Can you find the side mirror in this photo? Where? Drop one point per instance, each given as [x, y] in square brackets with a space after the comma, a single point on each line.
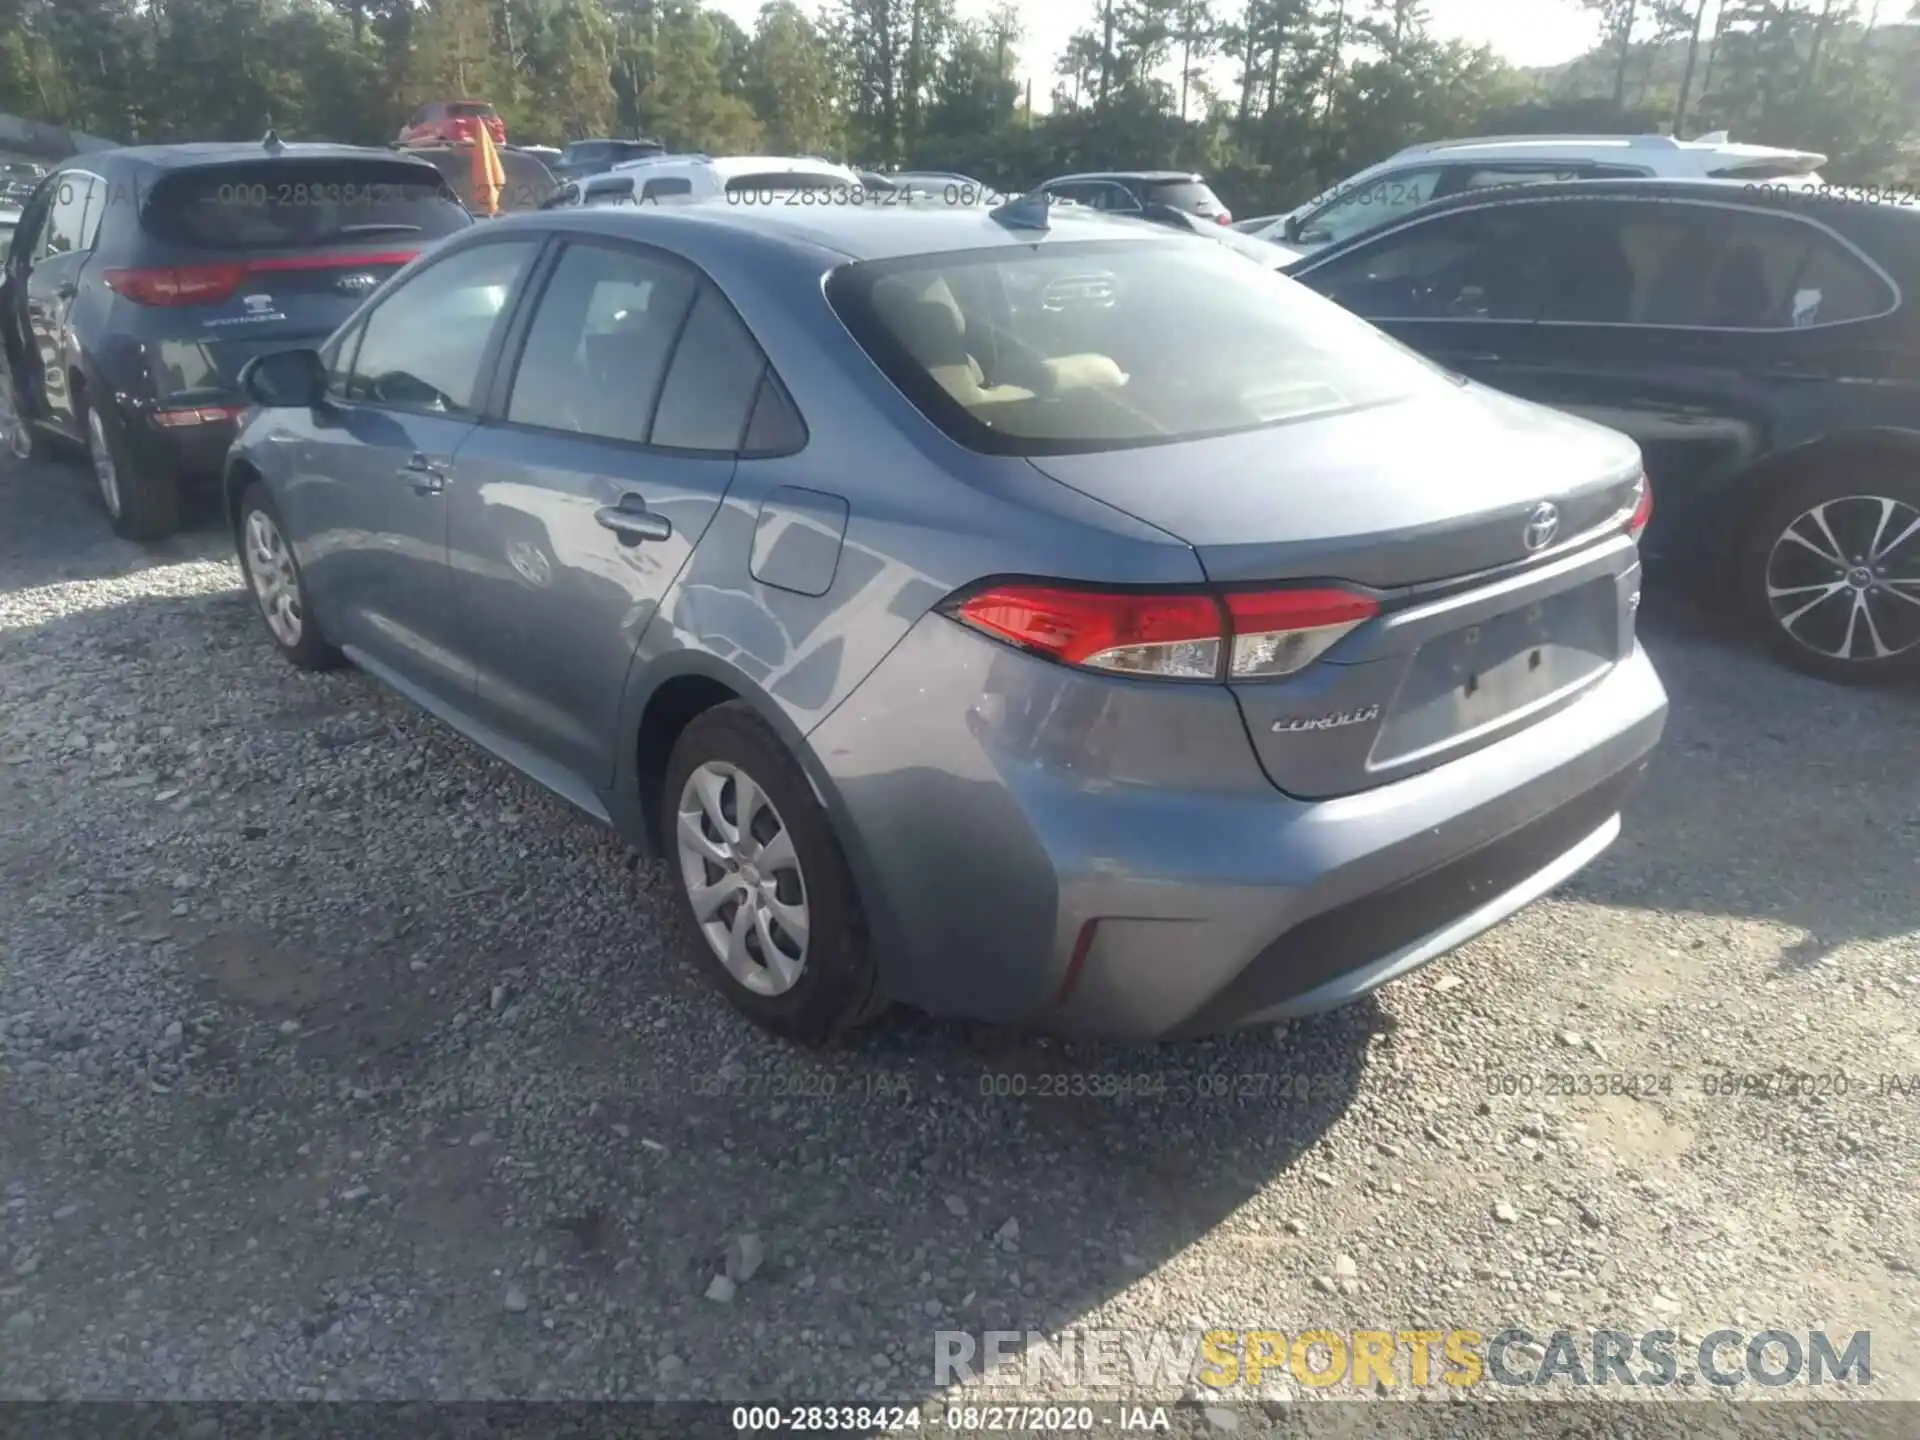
[1292, 229]
[285, 379]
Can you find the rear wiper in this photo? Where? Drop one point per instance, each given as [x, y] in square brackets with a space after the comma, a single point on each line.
[379, 227]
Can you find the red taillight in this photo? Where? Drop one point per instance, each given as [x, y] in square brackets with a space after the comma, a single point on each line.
[1225, 217]
[1242, 635]
[177, 284]
[213, 284]
[1642, 509]
[197, 415]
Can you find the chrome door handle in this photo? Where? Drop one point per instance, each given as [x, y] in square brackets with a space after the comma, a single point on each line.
[632, 522]
[426, 477]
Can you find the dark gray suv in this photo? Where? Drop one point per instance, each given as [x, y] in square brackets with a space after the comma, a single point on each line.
[140, 280]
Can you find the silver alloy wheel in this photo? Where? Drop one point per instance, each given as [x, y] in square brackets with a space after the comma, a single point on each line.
[1843, 580]
[104, 470]
[15, 433]
[275, 582]
[743, 878]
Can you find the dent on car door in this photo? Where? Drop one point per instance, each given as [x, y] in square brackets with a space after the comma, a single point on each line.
[1461, 288]
[617, 438]
[369, 511]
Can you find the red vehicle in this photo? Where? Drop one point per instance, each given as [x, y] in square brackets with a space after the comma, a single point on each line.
[452, 122]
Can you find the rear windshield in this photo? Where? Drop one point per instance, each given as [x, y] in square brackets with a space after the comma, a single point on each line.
[784, 180]
[1071, 348]
[278, 204]
[1185, 195]
[466, 108]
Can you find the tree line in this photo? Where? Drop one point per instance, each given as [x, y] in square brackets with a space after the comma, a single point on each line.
[1271, 98]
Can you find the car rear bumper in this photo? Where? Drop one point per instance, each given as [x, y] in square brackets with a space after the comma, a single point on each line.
[1039, 846]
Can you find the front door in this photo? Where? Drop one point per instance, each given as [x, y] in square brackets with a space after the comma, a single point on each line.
[581, 498]
[60, 253]
[375, 465]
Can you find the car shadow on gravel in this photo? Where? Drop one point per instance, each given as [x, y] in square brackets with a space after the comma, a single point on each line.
[1774, 796]
[53, 528]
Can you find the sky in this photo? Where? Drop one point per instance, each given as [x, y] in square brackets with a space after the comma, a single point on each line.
[1524, 32]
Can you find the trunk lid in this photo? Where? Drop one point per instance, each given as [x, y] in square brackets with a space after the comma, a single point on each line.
[1435, 507]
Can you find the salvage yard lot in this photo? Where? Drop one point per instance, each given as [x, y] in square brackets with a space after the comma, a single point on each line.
[335, 1059]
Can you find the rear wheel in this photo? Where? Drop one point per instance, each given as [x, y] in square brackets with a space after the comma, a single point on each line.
[764, 890]
[1832, 572]
[142, 502]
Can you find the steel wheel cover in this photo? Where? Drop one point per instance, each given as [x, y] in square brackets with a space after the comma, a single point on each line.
[743, 878]
[276, 585]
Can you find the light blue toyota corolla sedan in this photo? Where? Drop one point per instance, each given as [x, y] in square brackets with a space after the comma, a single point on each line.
[1039, 619]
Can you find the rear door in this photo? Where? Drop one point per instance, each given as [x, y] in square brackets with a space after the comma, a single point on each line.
[263, 255]
[611, 443]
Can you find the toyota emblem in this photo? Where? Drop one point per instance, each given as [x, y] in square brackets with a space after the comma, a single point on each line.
[1542, 525]
[358, 284]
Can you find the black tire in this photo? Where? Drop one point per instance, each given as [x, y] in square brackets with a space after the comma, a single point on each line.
[1780, 572]
[311, 650]
[143, 501]
[837, 988]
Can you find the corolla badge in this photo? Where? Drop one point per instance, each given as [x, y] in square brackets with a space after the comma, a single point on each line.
[1294, 724]
[1542, 525]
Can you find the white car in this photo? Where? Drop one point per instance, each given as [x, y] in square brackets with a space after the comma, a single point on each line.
[1424, 173]
[744, 179]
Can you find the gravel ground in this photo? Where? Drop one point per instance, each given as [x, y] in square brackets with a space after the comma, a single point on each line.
[336, 1061]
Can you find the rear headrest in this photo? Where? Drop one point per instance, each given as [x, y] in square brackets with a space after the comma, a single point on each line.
[931, 333]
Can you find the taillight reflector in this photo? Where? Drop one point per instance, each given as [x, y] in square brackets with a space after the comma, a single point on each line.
[213, 284]
[1642, 509]
[1239, 635]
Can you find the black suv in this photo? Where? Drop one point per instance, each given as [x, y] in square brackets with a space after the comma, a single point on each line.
[141, 279]
[595, 157]
[1754, 337]
[1142, 192]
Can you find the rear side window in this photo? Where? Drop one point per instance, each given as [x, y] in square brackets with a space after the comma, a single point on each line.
[70, 226]
[710, 389]
[1629, 262]
[292, 204]
[599, 344]
[1186, 195]
[1074, 348]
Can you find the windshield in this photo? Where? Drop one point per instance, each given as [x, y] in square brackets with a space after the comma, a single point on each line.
[1084, 347]
[280, 204]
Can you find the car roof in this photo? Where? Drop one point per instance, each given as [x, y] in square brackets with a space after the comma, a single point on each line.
[1715, 146]
[1127, 175]
[195, 153]
[1786, 197]
[844, 233]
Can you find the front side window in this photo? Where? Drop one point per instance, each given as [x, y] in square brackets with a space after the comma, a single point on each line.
[597, 351]
[423, 347]
[1483, 264]
[1095, 346]
[1368, 206]
[66, 228]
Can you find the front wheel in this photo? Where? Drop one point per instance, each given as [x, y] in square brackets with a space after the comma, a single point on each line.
[279, 589]
[1832, 573]
[764, 890]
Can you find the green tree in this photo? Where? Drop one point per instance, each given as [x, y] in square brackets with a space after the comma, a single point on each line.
[791, 82]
